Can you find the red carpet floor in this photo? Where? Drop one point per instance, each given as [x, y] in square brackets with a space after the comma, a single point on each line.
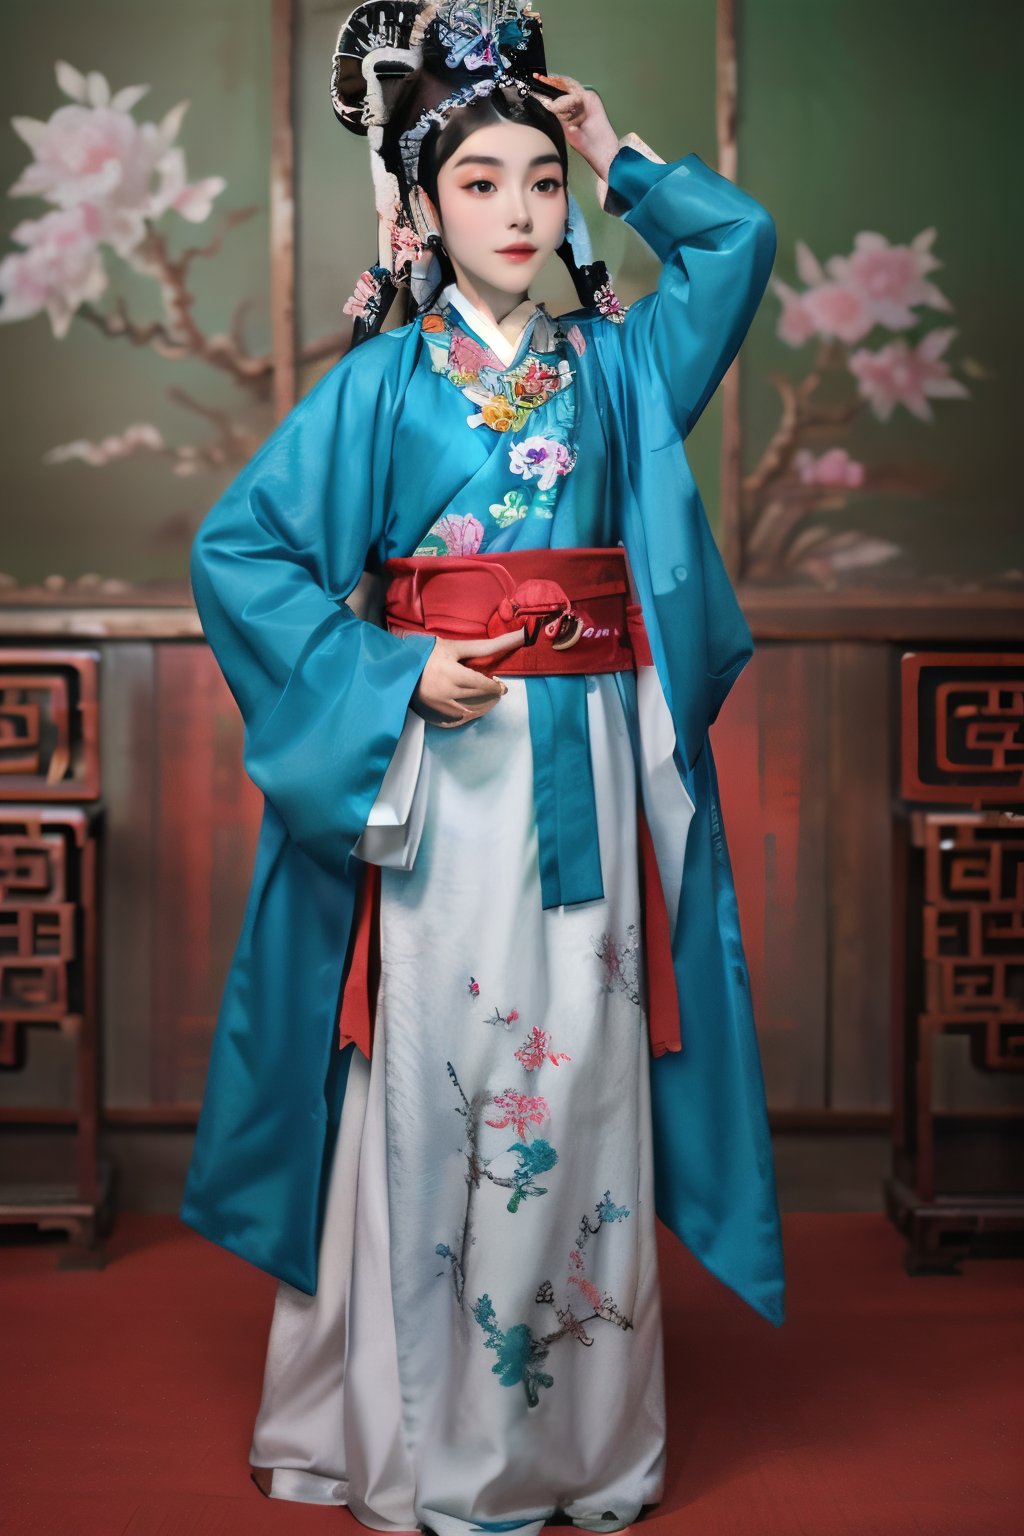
[884, 1406]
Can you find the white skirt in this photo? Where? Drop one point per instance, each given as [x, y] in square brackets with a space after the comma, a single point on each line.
[485, 1346]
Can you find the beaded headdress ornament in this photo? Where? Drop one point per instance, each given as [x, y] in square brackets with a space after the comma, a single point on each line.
[479, 46]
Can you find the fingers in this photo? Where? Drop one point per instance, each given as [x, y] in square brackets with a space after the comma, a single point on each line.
[488, 645]
[571, 106]
[468, 684]
[566, 82]
[461, 714]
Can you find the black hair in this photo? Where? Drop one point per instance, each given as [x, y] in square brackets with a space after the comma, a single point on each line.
[497, 107]
[421, 90]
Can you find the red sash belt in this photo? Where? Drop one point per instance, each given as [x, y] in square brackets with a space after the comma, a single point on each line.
[573, 604]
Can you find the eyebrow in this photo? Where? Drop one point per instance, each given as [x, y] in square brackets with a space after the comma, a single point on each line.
[494, 160]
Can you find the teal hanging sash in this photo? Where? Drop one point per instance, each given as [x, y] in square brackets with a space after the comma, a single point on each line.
[563, 791]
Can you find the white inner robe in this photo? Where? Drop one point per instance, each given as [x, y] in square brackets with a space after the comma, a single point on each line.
[398, 1389]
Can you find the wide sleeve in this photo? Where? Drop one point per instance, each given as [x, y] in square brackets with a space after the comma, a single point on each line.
[716, 245]
[323, 693]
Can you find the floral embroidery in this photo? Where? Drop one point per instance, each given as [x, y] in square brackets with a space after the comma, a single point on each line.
[609, 304]
[504, 396]
[520, 1351]
[462, 535]
[505, 399]
[533, 1158]
[365, 300]
[603, 1305]
[536, 1048]
[474, 986]
[518, 1109]
[507, 1019]
[541, 458]
[606, 1211]
[512, 506]
[576, 340]
[620, 963]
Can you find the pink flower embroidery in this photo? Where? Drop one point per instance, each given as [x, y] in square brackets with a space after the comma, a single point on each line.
[462, 535]
[467, 356]
[576, 339]
[506, 1019]
[537, 379]
[366, 292]
[517, 1109]
[588, 1289]
[536, 1047]
[474, 987]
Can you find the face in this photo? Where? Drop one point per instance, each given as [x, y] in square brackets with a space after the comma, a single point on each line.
[503, 187]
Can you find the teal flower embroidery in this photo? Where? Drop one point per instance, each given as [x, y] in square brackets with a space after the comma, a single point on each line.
[519, 1353]
[534, 1158]
[607, 1211]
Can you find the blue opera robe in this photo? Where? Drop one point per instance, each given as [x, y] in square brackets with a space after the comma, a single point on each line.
[355, 474]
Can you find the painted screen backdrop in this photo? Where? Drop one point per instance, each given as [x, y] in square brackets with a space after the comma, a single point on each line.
[853, 119]
[171, 429]
[888, 134]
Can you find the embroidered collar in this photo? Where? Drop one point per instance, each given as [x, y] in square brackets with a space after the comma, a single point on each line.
[503, 348]
[504, 396]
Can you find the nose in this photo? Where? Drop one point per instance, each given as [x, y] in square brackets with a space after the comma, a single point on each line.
[518, 212]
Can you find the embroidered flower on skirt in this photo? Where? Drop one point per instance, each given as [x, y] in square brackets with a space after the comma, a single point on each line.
[620, 962]
[537, 1048]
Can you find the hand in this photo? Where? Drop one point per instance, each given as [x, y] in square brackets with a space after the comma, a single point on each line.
[581, 113]
[456, 693]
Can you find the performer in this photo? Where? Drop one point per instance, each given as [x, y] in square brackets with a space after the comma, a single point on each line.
[489, 1008]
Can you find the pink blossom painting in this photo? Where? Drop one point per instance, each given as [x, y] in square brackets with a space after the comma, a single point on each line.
[867, 314]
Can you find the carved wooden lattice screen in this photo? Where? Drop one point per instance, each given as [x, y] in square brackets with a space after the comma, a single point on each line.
[49, 756]
[958, 1165]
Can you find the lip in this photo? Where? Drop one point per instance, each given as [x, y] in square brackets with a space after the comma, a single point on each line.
[518, 250]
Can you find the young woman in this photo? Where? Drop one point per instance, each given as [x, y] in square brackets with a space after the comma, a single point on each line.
[492, 854]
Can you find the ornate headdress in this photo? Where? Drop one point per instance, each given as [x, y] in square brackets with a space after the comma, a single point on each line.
[477, 47]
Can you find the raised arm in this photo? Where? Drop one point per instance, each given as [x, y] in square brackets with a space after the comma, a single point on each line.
[716, 246]
[323, 694]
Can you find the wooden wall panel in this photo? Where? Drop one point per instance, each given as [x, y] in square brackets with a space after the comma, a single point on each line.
[128, 709]
[208, 820]
[862, 713]
[770, 745]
